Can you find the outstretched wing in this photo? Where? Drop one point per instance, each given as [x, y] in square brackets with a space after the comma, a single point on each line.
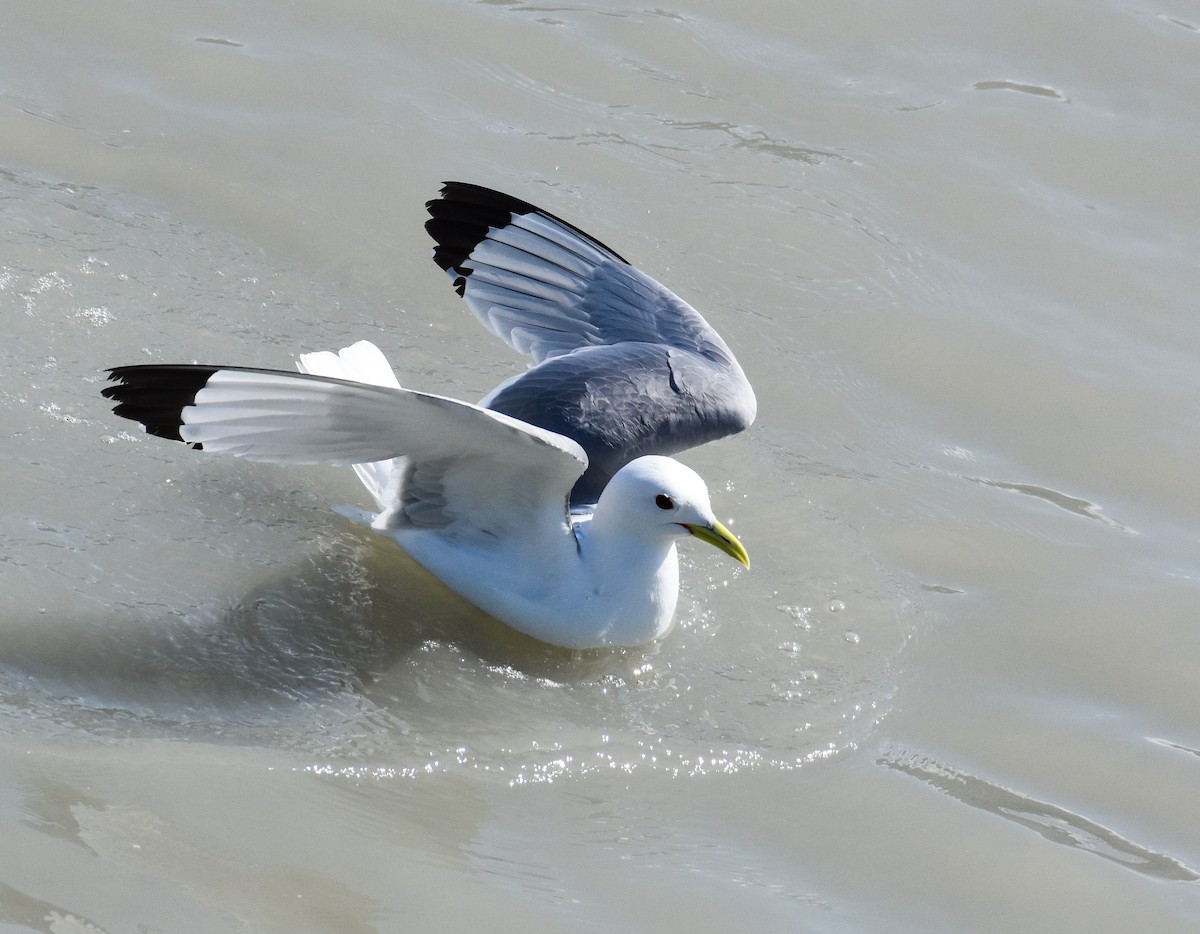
[458, 465]
[622, 365]
[546, 288]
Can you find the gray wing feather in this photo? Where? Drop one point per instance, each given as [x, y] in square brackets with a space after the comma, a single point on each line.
[622, 401]
[621, 364]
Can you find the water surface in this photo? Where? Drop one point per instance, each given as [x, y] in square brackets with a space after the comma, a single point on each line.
[955, 253]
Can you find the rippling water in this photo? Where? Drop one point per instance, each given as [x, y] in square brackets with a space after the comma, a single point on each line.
[954, 252]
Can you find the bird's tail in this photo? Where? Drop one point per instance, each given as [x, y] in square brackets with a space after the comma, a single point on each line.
[361, 362]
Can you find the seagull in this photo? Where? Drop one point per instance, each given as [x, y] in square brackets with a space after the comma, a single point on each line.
[552, 504]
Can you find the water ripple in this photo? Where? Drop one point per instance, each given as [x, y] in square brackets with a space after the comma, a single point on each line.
[1054, 823]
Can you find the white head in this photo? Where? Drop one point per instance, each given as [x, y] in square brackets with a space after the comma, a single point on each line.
[659, 498]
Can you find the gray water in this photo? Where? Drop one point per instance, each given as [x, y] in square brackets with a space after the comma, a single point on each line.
[955, 251]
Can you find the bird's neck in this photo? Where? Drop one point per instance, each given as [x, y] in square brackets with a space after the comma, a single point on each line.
[637, 578]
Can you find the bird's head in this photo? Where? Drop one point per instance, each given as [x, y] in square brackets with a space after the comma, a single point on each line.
[660, 497]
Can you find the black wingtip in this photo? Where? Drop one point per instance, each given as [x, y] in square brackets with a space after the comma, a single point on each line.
[461, 217]
[155, 395]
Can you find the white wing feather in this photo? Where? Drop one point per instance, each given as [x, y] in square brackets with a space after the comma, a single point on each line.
[453, 465]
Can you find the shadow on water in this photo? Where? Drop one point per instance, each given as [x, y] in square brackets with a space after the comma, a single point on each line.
[320, 635]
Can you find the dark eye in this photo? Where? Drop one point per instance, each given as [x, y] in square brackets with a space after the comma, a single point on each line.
[663, 501]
